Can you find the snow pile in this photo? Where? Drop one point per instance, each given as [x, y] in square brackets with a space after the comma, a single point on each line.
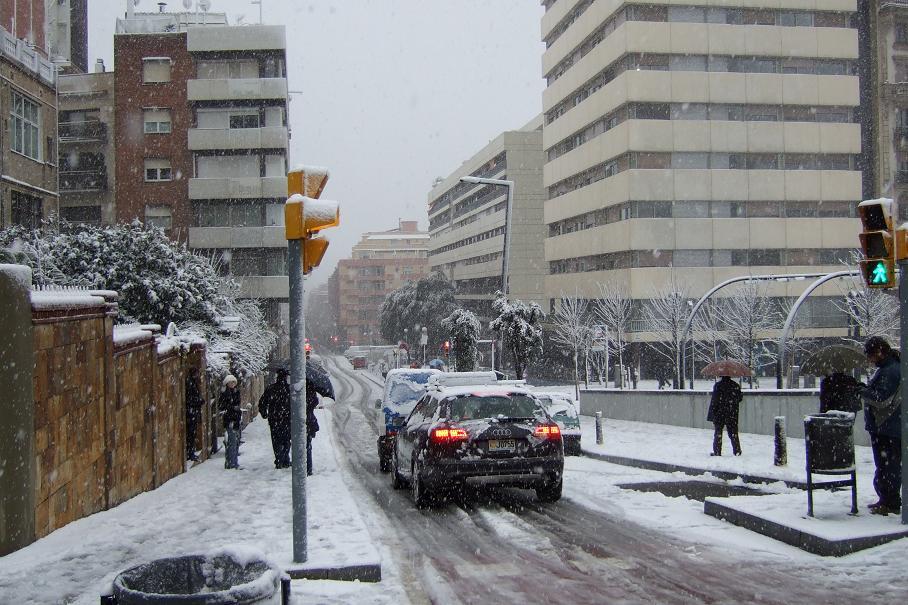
[20, 273]
[123, 335]
[46, 300]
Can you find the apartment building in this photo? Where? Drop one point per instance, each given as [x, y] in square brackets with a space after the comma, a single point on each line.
[86, 147]
[467, 222]
[381, 262]
[28, 104]
[700, 141]
[202, 142]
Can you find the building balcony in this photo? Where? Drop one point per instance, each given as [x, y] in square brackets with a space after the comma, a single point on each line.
[236, 89]
[83, 180]
[263, 286]
[238, 188]
[237, 237]
[90, 131]
[205, 139]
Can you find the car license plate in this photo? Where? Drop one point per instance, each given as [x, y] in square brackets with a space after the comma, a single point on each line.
[501, 445]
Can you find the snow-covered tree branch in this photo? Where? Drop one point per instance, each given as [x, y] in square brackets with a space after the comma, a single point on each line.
[614, 308]
[464, 327]
[665, 314]
[572, 329]
[518, 323]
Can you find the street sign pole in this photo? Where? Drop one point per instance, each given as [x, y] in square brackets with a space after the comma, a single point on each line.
[297, 398]
[903, 310]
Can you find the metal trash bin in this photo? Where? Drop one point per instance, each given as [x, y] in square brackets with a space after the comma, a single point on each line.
[829, 442]
[200, 580]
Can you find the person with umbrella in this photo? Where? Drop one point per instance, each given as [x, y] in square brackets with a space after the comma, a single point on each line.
[838, 390]
[882, 419]
[274, 406]
[723, 413]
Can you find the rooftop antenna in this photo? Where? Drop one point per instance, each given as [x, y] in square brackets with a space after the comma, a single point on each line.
[259, 2]
[204, 5]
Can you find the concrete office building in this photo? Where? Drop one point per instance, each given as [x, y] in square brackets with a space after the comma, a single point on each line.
[381, 262]
[891, 27]
[28, 139]
[202, 142]
[467, 223]
[700, 140]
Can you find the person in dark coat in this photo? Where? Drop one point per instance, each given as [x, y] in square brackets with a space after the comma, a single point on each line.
[274, 406]
[317, 383]
[194, 403]
[882, 419]
[229, 405]
[723, 413]
[839, 391]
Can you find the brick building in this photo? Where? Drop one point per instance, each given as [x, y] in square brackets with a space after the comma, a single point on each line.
[382, 262]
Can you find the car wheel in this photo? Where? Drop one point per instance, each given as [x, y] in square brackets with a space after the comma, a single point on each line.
[421, 496]
[550, 492]
[397, 481]
[384, 461]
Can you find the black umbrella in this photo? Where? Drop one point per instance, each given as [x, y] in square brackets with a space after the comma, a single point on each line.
[834, 358]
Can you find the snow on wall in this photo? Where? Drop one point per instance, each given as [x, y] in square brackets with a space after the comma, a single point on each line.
[20, 273]
[44, 300]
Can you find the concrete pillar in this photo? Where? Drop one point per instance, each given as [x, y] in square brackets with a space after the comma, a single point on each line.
[17, 409]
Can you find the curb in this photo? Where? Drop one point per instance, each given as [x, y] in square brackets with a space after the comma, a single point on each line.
[667, 467]
[370, 572]
[800, 539]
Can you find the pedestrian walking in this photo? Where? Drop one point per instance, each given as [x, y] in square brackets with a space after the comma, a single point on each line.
[229, 405]
[882, 419]
[274, 406]
[194, 403]
[839, 391]
[318, 382]
[723, 413]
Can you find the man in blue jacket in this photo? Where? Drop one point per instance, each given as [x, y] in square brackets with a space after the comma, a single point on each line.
[882, 419]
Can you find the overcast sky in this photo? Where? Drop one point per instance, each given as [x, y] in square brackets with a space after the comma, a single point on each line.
[393, 92]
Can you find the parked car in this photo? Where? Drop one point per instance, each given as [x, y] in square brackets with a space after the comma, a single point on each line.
[564, 410]
[477, 434]
[403, 388]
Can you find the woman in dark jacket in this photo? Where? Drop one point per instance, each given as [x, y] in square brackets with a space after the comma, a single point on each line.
[723, 412]
[882, 419]
[229, 405]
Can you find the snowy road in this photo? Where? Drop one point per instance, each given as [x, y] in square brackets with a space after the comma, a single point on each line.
[502, 546]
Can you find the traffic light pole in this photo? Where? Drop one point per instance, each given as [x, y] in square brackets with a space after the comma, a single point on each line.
[903, 310]
[297, 398]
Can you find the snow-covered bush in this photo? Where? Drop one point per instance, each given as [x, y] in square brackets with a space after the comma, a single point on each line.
[463, 326]
[518, 323]
[159, 281]
[421, 303]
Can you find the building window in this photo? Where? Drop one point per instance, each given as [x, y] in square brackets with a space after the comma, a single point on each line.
[157, 121]
[227, 69]
[155, 70]
[248, 120]
[901, 33]
[157, 170]
[82, 214]
[26, 210]
[25, 125]
[158, 216]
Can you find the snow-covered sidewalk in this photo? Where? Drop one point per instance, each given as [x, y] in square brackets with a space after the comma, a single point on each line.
[205, 508]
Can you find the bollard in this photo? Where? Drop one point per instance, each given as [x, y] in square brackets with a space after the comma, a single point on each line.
[285, 591]
[780, 457]
[599, 439]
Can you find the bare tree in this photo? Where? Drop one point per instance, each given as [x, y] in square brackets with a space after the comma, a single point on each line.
[871, 311]
[748, 316]
[665, 314]
[614, 308]
[572, 329]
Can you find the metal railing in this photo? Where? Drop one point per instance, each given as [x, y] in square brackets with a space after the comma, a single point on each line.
[88, 130]
[83, 180]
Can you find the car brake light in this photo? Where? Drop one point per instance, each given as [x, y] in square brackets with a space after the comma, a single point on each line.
[448, 435]
[547, 431]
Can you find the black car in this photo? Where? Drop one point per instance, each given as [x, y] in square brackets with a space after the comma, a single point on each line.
[483, 435]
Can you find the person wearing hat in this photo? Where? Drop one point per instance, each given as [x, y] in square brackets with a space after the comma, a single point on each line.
[229, 405]
[882, 419]
[275, 408]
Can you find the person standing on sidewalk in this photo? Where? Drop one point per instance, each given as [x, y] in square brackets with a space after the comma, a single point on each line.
[194, 403]
[275, 408]
[723, 413]
[317, 383]
[839, 391]
[882, 419]
[229, 405]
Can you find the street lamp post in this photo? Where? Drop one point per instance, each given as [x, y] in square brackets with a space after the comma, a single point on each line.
[506, 253]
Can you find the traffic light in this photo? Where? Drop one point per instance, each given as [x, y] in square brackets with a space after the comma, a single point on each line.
[879, 244]
[305, 215]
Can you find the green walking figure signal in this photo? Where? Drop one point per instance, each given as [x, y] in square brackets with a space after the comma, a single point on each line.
[880, 274]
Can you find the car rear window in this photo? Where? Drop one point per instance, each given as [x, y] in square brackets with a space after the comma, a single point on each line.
[472, 407]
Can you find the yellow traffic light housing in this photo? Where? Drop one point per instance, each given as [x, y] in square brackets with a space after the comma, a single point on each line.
[305, 214]
[881, 243]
